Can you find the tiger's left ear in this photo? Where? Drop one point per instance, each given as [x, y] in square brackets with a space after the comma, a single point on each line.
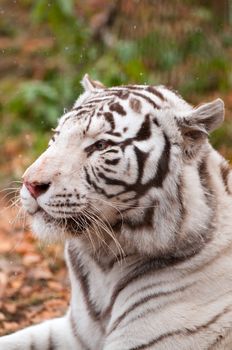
[207, 117]
[90, 85]
[196, 126]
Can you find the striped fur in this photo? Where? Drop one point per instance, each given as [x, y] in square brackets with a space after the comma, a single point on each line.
[144, 203]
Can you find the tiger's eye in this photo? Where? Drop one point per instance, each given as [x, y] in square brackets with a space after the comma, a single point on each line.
[100, 145]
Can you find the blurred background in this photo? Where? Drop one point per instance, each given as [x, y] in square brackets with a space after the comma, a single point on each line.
[46, 46]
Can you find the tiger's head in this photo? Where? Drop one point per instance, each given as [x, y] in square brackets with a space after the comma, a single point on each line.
[113, 172]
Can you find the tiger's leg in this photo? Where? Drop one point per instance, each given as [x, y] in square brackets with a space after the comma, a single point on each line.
[55, 334]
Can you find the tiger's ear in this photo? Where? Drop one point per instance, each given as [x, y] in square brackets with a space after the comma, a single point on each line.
[206, 117]
[196, 126]
[90, 85]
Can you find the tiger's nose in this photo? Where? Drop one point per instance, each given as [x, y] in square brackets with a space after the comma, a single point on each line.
[36, 188]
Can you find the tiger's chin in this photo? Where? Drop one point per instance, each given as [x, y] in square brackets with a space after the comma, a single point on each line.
[53, 230]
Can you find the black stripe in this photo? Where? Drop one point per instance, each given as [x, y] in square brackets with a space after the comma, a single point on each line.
[84, 105]
[145, 288]
[82, 277]
[113, 181]
[216, 342]
[144, 132]
[182, 210]
[163, 165]
[178, 200]
[184, 332]
[101, 98]
[155, 121]
[142, 301]
[141, 160]
[87, 177]
[111, 151]
[117, 108]
[148, 99]
[110, 119]
[122, 94]
[66, 118]
[154, 91]
[94, 173]
[51, 345]
[114, 161]
[209, 193]
[82, 111]
[88, 125]
[225, 171]
[32, 345]
[76, 334]
[116, 134]
[109, 170]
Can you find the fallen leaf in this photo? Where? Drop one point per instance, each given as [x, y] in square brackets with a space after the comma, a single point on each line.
[30, 259]
[10, 326]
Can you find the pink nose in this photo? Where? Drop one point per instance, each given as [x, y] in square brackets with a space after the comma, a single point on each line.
[36, 188]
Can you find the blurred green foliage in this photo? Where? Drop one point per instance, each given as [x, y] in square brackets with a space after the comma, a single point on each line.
[194, 57]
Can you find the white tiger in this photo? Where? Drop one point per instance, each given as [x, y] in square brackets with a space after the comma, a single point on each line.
[144, 203]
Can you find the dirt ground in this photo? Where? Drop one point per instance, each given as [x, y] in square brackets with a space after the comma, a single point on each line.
[33, 281]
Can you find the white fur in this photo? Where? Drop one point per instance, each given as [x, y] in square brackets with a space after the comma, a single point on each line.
[178, 306]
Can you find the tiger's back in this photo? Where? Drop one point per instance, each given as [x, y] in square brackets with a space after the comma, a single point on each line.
[143, 201]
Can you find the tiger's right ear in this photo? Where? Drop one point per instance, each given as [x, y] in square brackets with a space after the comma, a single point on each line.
[90, 85]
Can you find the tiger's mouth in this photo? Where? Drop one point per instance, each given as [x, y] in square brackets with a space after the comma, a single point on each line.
[74, 225]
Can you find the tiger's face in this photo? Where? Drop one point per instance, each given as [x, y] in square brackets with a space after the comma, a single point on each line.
[108, 162]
